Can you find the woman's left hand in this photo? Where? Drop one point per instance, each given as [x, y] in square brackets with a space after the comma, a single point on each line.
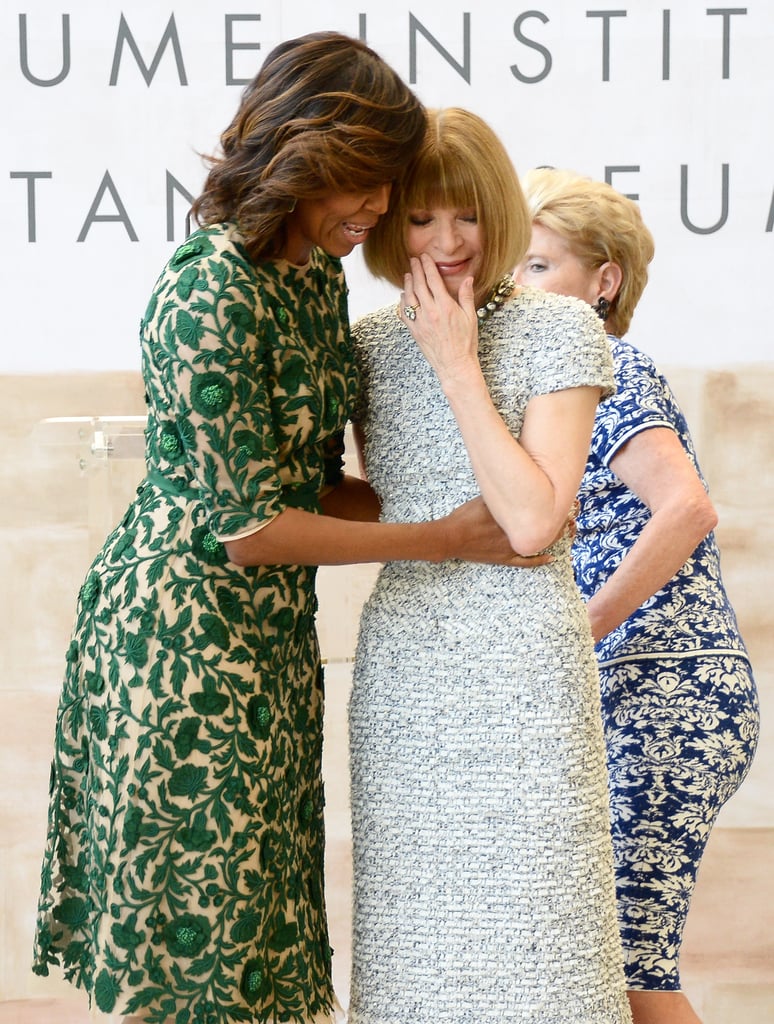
[445, 328]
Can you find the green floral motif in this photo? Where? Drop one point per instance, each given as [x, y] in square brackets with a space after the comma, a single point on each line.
[187, 282]
[293, 374]
[126, 934]
[188, 780]
[187, 737]
[209, 703]
[306, 811]
[197, 837]
[182, 880]
[242, 318]
[73, 911]
[187, 935]
[106, 992]
[206, 547]
[211, 394]
[171, 443]
[254, 984]
[133, 827]
[124, 547]
[197, 246]
[259, 716]
[94, 681]
[90, 591]
[282, 316]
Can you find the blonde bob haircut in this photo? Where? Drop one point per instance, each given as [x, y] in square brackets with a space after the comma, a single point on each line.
[600, 226]
[461, 164]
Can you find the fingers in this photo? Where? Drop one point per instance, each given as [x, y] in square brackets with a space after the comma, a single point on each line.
[426, 283]
[416, 281]
[424, 287]
[466, 299]
[410, 303]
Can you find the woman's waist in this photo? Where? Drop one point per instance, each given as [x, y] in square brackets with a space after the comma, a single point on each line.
[465, 584]
[663, 630]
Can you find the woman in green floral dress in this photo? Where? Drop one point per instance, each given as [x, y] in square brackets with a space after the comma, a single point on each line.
[183, 874]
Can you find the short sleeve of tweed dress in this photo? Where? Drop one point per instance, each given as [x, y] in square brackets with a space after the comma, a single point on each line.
[566, 345]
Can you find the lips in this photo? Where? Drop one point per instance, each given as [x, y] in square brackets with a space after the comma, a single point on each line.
[357, 231]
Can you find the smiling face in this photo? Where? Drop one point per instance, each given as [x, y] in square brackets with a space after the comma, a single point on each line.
[334, 222]
[452, 238]
[551, 265]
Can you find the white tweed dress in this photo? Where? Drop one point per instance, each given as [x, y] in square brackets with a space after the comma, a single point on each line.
[483, 888]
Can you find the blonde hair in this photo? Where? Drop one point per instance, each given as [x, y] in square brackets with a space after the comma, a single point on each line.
[461, 163]
[600, 226]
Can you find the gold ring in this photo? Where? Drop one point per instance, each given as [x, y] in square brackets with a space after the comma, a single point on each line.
[410, 312]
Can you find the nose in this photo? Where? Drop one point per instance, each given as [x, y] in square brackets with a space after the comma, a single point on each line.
[379, 200]
[449, 235]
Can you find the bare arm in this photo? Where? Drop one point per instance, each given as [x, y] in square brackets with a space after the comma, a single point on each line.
[303, 538]
[349, 533]
[530, 483]
[353, 498]
[655, 467]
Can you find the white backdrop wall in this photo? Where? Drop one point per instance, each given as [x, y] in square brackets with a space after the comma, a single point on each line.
[108, 105]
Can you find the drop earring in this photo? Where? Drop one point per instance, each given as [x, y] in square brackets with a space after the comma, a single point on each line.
[602, 308]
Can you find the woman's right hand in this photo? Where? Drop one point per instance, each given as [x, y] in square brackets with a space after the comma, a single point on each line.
[476, 537]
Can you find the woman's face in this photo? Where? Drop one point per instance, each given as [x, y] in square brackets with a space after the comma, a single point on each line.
[452, 238]
[551, 265]
[336, 222]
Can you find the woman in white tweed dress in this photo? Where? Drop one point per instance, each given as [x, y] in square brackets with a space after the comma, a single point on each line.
[483, 888]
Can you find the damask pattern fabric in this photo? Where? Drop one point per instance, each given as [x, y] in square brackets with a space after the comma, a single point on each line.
[484, 889]
[692, 612]
[680, 734]
[679, 701]
[183, 875]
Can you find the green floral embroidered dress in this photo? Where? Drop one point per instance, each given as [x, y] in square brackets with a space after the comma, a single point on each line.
[183, 875]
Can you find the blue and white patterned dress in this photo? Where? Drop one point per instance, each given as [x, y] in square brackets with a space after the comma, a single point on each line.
[679, 700]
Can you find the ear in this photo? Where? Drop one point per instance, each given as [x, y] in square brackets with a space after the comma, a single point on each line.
[610, 279]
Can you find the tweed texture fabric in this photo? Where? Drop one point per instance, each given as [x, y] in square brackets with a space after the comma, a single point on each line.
[483, 868]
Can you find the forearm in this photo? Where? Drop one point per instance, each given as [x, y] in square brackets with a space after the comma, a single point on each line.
[518, 494]
[297, 537]
[529, 484]
[663, 547]
[654, 466]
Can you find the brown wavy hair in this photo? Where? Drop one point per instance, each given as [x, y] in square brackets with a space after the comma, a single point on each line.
[462, 163]
[600, 225]
[324, 114]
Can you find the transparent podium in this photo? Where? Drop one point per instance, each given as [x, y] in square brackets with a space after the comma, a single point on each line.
[108, 453]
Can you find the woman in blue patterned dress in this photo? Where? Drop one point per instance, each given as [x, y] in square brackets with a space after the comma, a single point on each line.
[679, 700]
[183, 875]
